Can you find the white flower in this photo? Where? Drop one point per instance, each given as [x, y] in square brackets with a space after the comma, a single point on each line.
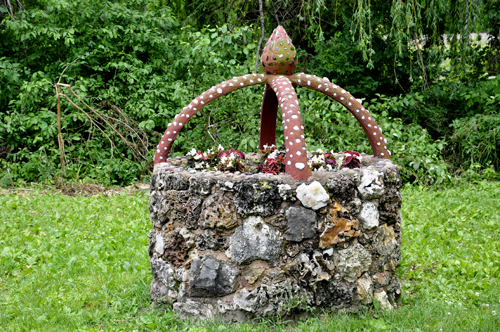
[223, 159]
[192, 152]
[477, 293]
[220, 148]
[319, 151]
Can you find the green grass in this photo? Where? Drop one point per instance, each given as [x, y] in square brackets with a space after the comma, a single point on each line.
[80, 263]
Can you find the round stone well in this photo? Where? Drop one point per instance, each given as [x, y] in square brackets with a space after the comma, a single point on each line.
[239, 246]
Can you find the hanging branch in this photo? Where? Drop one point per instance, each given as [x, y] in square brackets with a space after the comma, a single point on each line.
[261, 10]
[424, 74]
[9, 9]
[275, 12]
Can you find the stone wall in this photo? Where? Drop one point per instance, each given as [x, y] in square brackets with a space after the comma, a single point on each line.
[245, 245]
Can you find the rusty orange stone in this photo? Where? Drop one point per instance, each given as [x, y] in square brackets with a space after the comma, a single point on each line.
[339, 230]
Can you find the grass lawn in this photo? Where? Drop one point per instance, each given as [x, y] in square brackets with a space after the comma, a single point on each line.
[81, 264]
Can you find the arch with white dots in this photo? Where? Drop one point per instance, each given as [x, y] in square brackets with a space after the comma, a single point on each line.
[281, 86]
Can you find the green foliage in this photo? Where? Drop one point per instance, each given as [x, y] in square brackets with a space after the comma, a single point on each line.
[81, 263]
[464, 116]
[129, 59]
[137, 66]
[328, 125]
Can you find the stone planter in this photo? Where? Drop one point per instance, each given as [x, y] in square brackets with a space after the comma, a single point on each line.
[240, 246]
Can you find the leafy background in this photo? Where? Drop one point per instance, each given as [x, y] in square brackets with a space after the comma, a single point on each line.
[137, 63]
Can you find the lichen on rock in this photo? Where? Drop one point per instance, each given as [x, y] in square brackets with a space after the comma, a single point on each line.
[352, 262]
[255, 240]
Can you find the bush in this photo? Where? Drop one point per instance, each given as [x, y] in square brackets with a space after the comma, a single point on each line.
[328, 125]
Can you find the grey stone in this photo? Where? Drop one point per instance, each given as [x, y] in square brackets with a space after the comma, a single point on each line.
[200, 185]
[165, 288]
[175, 206]
[248, 300]
[194, 309]
[172, 181]
[371, 184]
[158, 291]
[369, 216]
[269, 299]
[310, 270]
[256, 198]
[286, 192]
[333, 293]
[384, 240]
[390, 206]
[352, 262]
[210, 277]
[313, 196]
[339, 185]
[218, 212]
[382, 299]
[225, 185]
[210, 240]
[255, 240]
[301, 224]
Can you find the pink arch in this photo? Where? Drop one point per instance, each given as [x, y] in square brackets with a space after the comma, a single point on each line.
[281, 87]
[372, 130]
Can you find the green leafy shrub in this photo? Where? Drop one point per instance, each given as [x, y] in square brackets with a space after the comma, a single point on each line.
[328, 125]
[133, 64]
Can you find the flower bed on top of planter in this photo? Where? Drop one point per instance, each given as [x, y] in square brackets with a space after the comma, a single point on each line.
[242, 245]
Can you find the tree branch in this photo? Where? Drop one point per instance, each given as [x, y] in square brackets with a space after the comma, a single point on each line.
[261, 10]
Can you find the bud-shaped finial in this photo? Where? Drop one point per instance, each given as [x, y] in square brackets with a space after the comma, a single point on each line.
[279, 57]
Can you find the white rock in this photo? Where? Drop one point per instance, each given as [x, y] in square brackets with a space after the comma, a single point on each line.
[313, 196]
[371, 184]
[382, 299]
[369, 216]
[160, 243]
[365, 289]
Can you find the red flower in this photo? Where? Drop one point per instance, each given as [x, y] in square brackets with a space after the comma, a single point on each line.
[351, 160]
